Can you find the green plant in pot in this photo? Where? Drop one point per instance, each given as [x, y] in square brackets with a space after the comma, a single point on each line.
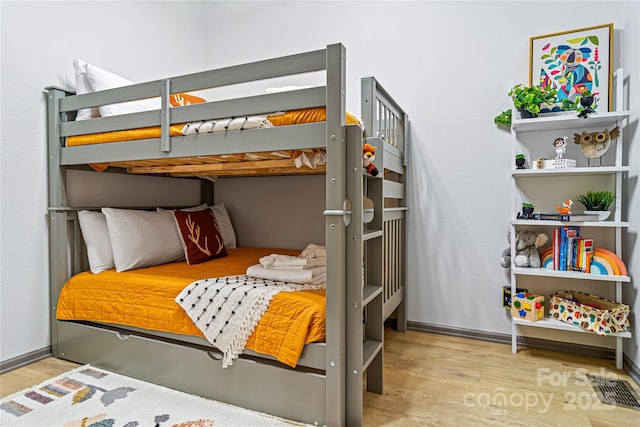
[520, 160]
[597, 202]
[528, 99]
[527, 211]
[503, 119]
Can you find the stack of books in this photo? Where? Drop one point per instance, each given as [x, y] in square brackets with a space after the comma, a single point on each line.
[570, 251]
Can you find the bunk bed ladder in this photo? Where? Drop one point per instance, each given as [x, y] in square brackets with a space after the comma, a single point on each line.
[364, 278]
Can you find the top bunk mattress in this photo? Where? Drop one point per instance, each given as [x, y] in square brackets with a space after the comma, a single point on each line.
[146, 298]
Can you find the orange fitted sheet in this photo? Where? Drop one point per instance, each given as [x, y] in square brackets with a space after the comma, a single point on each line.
[145, 298]
[122, 135]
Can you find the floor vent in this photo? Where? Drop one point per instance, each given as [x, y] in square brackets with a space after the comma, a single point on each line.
[615, 392]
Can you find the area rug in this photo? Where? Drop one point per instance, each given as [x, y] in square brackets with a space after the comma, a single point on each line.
[91, 397]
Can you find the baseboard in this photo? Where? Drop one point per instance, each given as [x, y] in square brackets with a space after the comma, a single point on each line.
[538, 343]
[632, 369]
[25, 359]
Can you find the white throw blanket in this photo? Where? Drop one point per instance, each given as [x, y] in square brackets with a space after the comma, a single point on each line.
[227, 309]
[223, 125]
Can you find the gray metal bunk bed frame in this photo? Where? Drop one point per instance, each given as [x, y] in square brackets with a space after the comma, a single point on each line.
[327, 386]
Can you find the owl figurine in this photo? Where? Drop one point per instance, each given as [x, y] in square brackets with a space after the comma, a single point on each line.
[595, 144]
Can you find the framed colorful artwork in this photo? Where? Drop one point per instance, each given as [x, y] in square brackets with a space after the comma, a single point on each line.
[575, 62]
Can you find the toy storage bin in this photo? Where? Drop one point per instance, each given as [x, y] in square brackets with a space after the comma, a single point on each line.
[590, 312]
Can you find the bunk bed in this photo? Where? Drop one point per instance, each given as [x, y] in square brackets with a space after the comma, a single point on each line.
[365, 260]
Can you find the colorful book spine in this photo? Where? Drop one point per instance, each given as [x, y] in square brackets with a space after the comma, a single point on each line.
[556, 248]
[587, 255]
[564, 247]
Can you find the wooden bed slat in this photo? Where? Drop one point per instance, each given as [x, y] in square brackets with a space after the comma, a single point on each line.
[215, 167]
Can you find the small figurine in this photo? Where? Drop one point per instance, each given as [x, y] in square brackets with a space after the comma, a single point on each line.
[566, 207]
[560, 145]
[595, 144]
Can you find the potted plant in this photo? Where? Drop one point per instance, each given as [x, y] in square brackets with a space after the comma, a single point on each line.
[586, 101]
[520, 161]
[503, 119]
[528, 99]
[527, 211]
[597, 202]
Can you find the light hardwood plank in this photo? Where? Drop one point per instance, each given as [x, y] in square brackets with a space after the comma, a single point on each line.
[35, 373]
[433, 379]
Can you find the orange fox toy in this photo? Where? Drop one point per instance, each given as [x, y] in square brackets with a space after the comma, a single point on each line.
[368, 155]
[566, 207]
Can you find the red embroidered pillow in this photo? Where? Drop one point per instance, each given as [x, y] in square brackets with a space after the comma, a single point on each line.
[201, 236]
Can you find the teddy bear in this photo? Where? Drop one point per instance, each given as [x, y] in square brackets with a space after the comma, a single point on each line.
[368, 155]
[527, 244]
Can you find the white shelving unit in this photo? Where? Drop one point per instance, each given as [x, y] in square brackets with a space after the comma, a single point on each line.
[528, 186]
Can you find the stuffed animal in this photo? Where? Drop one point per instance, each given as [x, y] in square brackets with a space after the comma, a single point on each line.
[527, 244]
[368, 155]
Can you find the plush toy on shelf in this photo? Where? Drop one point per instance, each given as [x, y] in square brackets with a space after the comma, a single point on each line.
[527, 244]
[368, 156]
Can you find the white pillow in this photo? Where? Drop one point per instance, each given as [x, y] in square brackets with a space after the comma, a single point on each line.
[96, 238]
[100, 79]
[224, 222]
[142, 238]
[82, 86]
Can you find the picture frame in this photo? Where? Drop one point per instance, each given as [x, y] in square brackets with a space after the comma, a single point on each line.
[574, 62]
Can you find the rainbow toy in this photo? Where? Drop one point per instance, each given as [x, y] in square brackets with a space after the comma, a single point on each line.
[603, 262]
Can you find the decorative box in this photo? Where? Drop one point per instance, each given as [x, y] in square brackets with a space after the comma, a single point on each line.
[559, 164]
[527, 306]
[590, 312]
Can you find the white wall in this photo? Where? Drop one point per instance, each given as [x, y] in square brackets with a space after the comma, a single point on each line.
[449, 64]
[139, 40]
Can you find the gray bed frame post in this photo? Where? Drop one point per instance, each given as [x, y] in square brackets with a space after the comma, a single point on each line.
[57, 213]
[335, 232]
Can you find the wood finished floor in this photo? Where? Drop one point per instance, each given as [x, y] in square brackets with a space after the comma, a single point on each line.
[437, 380]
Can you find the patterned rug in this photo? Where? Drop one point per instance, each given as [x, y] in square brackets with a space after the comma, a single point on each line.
[91, 397]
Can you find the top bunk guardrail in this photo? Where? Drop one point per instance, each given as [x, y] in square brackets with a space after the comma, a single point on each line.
[313, 135]
[382, 116]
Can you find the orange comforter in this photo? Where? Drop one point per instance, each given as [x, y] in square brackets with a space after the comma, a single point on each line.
[145, 298]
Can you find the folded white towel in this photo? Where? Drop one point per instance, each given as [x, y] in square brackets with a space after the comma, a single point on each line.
[314, 251]
[288, 261]
[223, 125]
[307, 276]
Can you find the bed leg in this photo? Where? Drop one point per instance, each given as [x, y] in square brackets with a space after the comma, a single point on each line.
[401, 325]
